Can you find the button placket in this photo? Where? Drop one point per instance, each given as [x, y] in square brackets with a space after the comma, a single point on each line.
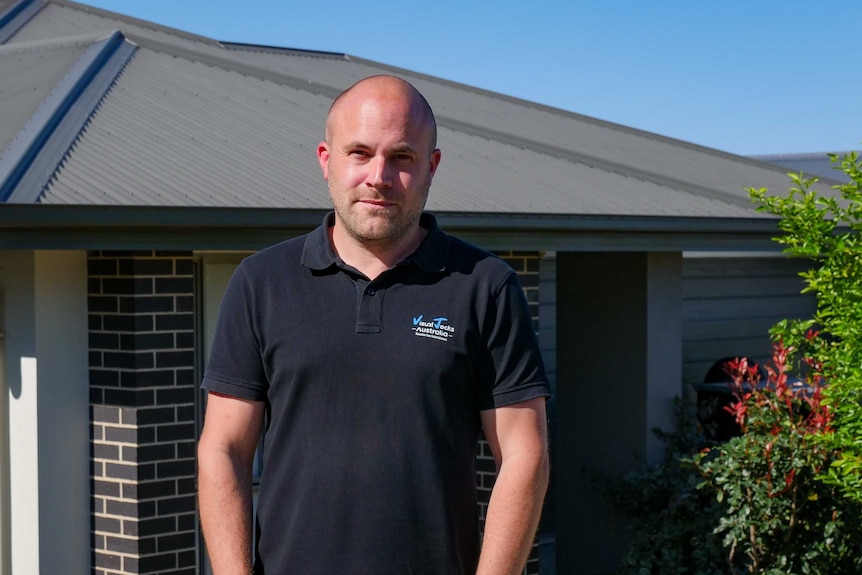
[369, 317]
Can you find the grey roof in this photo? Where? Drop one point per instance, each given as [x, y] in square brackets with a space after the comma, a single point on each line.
[30, 71]
[151, 117]
[817, 165]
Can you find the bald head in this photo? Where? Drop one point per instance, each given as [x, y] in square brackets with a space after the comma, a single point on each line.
[388, 90]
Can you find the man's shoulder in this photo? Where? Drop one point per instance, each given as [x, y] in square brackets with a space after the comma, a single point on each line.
[277, 256]
[466, 257]
[464, 248]
[280, 257]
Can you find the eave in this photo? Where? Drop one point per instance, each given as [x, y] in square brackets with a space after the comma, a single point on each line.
[173, 228]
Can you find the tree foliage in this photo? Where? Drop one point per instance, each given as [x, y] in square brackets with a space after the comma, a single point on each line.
[777, 517]
[670, 518]
[791, 482]
[827, 229]
[784, 495]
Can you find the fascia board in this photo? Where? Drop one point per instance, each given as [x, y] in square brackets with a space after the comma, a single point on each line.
[106, 227]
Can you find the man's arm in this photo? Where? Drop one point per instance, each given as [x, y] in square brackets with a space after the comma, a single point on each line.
[517, 435]
[231, 430]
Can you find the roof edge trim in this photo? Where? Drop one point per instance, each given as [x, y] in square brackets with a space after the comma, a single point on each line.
[246, 47]
[191, 217]
[16, 16]
[39, 147]
[164, 227]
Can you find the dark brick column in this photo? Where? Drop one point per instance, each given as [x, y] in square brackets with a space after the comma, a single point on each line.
[526, 264]
[142, 398]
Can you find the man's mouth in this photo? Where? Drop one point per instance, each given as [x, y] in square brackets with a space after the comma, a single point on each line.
[379, 203]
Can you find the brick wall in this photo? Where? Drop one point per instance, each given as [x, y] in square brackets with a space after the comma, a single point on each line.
[142, 409]
[526, 264]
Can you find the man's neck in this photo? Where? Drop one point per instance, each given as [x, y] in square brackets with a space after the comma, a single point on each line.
[370, 258]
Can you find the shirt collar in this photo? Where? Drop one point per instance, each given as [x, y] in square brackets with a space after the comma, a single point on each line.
[430, 256]
[433, 253]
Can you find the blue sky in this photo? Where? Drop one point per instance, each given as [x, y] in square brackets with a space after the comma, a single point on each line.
[744, 76]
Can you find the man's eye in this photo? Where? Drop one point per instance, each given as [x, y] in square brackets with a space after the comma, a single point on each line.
[358, 153]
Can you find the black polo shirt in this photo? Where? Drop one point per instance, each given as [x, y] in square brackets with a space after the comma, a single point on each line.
[373, 390]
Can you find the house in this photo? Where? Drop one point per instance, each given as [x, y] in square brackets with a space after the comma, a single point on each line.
[139, 164]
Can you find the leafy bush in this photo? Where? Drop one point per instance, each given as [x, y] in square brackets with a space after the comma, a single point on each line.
[777, 517]
[785, 495]
[826, 229]
[791, 483]
[671, 520]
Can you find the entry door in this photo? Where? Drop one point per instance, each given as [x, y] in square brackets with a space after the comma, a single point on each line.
[216, 271]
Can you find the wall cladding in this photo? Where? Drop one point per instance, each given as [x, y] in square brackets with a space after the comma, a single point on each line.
[142, 410]
[729, 305]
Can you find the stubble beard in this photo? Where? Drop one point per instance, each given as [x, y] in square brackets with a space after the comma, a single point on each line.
[380, 232]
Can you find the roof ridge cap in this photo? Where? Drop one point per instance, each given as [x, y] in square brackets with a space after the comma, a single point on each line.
[85, 38]
[37, 149]
[16, 17]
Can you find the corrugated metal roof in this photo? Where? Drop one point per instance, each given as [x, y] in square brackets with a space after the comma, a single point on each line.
[33, 155]
[546, 130]
[29, 72]
[192, 122]
[14, 15]
[811, 165]
[59, 18]
[211, 132]
[174, 132]
[514, 180]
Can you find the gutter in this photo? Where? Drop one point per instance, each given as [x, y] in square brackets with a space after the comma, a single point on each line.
[27, 226]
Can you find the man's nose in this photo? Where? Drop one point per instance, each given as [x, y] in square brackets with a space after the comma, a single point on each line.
[379, 173]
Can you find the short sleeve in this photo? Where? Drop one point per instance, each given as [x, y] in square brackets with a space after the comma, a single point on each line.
[511, 369]
[236, 367]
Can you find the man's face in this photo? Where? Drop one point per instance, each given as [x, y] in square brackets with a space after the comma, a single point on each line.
[378, 163]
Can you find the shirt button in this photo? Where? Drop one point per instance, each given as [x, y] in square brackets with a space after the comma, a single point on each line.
[371, 292]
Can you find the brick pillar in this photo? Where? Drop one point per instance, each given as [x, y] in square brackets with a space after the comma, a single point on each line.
[526, 264]
[142, 412]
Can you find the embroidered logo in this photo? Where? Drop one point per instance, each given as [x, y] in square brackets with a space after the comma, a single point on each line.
[437, 328]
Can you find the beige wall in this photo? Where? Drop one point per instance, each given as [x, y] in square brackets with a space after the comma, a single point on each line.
[44, 459]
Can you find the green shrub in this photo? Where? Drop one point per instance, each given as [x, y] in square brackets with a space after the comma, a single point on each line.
[784, 496]
[791, 483]
[826, 229]
[671, 520]
[777, 517]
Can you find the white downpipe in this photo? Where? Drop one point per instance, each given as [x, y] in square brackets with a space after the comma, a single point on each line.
[24, 477]
[5, 520]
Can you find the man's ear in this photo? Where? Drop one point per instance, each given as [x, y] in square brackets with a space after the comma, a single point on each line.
[323, 158]
[435, 160]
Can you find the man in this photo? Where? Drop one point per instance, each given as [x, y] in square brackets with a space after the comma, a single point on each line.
[377, 347]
